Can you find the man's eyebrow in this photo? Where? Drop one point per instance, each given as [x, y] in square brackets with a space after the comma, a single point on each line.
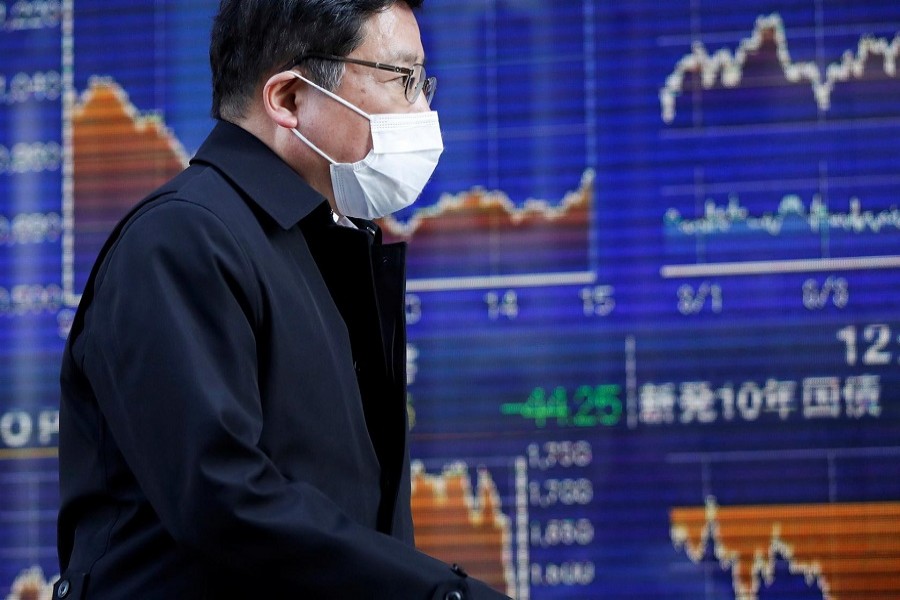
[404, 57]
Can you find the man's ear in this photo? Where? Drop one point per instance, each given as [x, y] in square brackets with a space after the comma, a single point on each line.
[282, 96]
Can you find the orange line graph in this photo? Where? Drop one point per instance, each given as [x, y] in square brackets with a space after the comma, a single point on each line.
[31, 584]
[482, 232]
[493, 208]
[118, 155]
[459, 525]
[851, 551]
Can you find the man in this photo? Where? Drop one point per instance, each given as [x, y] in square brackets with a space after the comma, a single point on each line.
[233, 415]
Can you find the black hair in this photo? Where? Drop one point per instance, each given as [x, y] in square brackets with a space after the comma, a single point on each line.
[253, 39]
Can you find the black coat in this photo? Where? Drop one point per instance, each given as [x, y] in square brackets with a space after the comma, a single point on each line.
[233, 417]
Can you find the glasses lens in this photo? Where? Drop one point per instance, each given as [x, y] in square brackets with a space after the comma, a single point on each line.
[414, 83]
[429, 85]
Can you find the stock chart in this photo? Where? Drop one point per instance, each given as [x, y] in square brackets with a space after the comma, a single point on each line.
[652, 298]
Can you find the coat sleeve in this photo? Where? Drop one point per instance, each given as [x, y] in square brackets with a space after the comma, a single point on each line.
[171, 355]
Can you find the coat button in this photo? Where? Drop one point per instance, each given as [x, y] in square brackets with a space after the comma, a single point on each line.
[63, 590]
[454, 595]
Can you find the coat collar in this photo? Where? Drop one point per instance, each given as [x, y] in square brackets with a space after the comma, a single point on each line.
[254, 168]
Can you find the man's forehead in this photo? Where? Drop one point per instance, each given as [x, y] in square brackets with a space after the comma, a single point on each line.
[392, 36]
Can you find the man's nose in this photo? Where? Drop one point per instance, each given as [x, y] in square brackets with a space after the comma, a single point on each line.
[421, 104]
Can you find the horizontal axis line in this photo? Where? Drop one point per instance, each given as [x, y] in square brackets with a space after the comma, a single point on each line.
[772, 267]
[493, 281]
[751, 455]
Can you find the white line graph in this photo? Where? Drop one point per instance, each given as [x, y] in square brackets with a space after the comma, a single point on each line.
[727, 69]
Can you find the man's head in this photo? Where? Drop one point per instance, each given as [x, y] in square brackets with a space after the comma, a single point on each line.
[256, 42]
[253, 39]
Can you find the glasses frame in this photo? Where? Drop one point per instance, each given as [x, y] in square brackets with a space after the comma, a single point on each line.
[427, 85]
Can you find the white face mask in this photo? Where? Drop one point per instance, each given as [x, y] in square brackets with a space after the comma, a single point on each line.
[405, 152]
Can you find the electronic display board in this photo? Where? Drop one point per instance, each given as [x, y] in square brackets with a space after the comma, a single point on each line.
[654, 338]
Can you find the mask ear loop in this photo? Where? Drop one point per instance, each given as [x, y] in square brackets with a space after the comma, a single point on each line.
[333, 96]
[312, 146]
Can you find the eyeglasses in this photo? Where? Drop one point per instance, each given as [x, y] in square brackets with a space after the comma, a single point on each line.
[416, 80]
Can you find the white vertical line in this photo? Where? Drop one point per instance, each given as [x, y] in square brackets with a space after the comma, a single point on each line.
[592, 160]
[832, 478]
[699, 200]
[706, 478]
[590, 83]
[492, 86]
[522, 558]
[160, 64]
[824, 232]
[68, 168]
[696, 33]
[820, 50]
[631, 381]
[706, 484]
